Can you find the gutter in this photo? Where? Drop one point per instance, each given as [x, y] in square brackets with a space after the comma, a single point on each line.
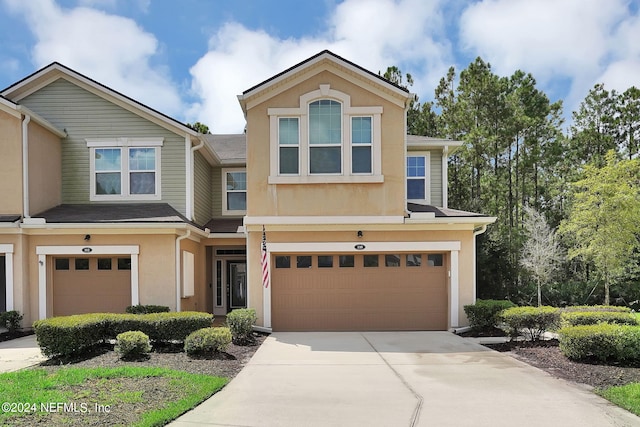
[25, 166]
[178, 269]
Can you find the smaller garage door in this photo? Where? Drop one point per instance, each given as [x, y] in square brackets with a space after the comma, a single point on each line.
[359, 292]
[91, 285]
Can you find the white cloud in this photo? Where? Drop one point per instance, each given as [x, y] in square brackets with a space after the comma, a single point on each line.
[374, 34]
[580, 42]
[110, 49]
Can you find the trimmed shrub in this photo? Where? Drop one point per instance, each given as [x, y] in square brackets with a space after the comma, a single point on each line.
[575, 318]
[599, 308]
[241, 323]
[12, 320]
[534, 321]
[146, 309]
[132, 344]
[604, 342]
[485, 314]
[207, 340]
[68, 335]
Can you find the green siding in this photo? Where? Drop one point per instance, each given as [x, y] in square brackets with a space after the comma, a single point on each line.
[435, 169]
[85, 115]
[202, 190]
[216, 191]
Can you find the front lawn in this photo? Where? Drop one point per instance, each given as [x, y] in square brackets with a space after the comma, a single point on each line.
[626, 396]
[128, 396]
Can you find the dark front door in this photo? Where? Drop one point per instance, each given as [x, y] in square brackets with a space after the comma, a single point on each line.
[236, 284]
[3, 284]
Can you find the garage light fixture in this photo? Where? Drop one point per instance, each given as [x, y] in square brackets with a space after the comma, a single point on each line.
[87, 237]
[359, 233]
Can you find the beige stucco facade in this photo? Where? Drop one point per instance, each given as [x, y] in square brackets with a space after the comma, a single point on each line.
[10, 162]
[45, 172]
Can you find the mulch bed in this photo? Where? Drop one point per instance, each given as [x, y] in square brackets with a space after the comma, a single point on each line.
[547, 356]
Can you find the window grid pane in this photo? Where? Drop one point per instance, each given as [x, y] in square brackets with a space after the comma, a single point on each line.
[361, 130]
[361, 159]
[236, 181]
[416, 166]
[142, 159]
[416, 189]
[289, 160]
[325, 160]
[325, 122]
[108, 183]
[107, 159]
[288, 132]
[142, 183]
[237, 201]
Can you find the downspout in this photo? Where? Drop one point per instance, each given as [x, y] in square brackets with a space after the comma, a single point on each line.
[445, 177]
[193, 178]
[476, 232]
[178, 269]
[407, 103]
[25, 166]
[188, 176]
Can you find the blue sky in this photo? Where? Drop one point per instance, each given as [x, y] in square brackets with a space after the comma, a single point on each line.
[190, 58]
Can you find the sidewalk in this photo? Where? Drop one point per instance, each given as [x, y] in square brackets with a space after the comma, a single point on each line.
[19, 353]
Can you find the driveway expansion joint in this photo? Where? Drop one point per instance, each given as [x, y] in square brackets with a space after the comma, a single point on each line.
[416, 412]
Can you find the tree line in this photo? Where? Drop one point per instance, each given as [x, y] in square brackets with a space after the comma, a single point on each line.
[578, 185]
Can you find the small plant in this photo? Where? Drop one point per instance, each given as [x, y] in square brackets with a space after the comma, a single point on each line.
[241, 323]
[207, 340]
[146, 309]
[534, 321]
[12, 320]
[485, 314]
[132, 344]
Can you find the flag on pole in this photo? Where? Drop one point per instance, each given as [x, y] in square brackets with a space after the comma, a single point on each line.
[264, 261]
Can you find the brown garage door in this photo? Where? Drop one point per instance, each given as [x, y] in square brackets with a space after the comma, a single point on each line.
[91, 285]
[358, 292]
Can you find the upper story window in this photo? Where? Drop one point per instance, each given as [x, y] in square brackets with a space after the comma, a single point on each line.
[418, 177]
[325, 139]
[125, 168]
[234, 189]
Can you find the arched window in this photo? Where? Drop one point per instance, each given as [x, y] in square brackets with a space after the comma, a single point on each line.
[325, 137]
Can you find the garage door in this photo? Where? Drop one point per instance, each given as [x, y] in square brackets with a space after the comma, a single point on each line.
[91, 285]
[358, 292]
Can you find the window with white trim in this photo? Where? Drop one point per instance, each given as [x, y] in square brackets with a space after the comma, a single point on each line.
[289, 145]
[234, 190]
[125, 168]
[325, 139]
[418, 187]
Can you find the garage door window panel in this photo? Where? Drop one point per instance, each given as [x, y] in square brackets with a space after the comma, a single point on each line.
[283, 261]
[370, 260]
[104, 263]
[62, 263]
[414, 260]
[124, 263]
[391, 260]
[325, 261]
[346, 261]
[304, 261]
[82, 263]
[435, 260]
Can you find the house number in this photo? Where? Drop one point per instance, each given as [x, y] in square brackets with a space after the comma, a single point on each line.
[359, 246]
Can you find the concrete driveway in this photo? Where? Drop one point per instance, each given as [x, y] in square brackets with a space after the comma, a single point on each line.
[19, 353]
[396, 379]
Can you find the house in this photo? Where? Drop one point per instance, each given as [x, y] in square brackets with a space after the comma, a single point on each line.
[106, 203]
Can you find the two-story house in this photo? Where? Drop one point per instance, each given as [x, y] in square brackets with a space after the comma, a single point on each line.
[107, 203]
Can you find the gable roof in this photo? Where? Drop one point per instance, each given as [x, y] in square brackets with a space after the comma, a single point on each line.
[230, 149]
[326, 57]
[54, 71]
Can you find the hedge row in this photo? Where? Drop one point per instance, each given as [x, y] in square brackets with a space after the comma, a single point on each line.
[67, 335]
[576, 318]
[591, 308]
[604, 342]
[485, 314]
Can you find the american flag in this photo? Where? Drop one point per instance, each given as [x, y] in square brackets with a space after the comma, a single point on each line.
[264, 262]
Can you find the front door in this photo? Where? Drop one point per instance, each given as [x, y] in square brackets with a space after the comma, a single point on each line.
[237, 284]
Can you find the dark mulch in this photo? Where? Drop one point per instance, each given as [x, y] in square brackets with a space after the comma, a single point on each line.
[547, 356]
[6, 336]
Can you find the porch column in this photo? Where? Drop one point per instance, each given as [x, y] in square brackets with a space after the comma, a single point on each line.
[455, 289]
[42, 286]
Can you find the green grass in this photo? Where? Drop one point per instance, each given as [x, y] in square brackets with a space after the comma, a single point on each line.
[626, 396]
[105, 386]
